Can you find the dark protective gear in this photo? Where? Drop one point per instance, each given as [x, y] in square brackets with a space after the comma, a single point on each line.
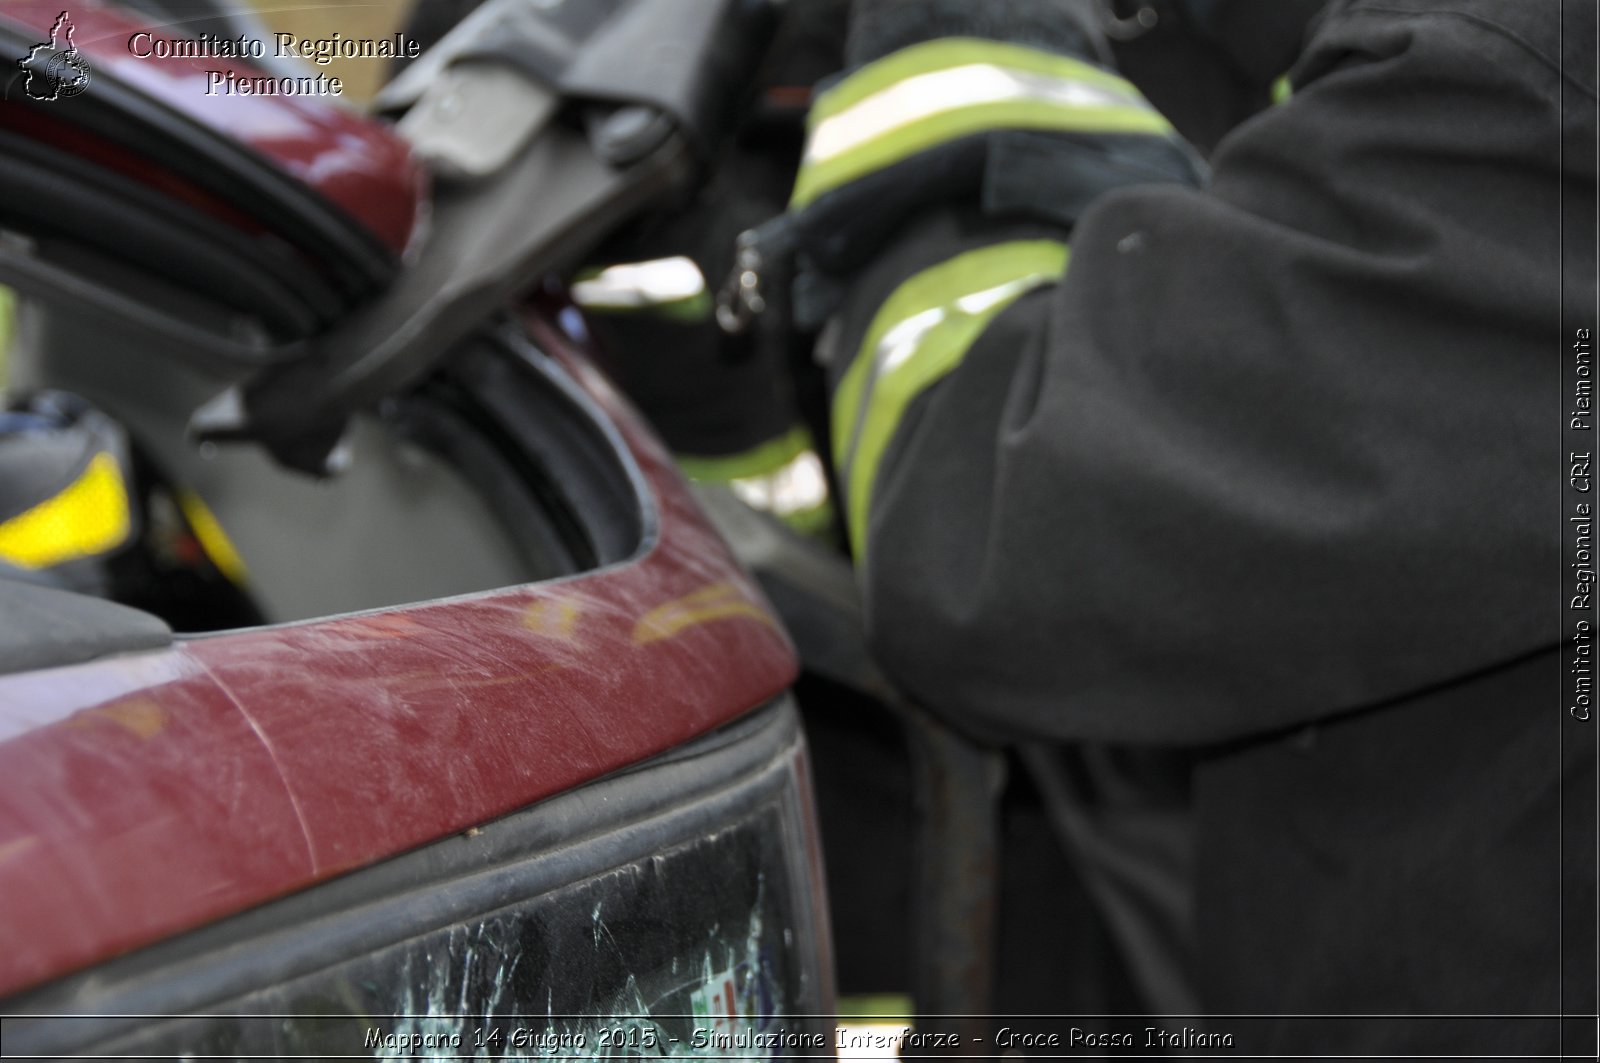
[1273, 473]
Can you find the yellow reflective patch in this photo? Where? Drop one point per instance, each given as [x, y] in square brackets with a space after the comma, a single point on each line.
[213, 540]
[88, 518]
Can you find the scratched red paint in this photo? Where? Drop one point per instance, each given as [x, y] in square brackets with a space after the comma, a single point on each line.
[148, 795]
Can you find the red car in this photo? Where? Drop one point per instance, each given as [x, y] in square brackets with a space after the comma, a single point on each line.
[501, 762]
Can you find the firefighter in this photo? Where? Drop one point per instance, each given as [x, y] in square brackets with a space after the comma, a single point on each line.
[1255, 461]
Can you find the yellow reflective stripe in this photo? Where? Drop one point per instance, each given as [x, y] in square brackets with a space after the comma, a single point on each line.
[928, 292]
[89, 517]
[213, 540]
[932, 94]
[948, 52]
[818, 177]
[927, 96]
[769, 457]
[1282, 89]
[919, 336]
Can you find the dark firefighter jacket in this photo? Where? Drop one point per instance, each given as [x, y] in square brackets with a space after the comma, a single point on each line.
[1272, 468]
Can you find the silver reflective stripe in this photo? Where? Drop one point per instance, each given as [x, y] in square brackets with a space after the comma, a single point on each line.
[925, 96]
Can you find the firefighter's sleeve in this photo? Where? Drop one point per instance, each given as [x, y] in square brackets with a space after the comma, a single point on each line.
[1161, 463]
